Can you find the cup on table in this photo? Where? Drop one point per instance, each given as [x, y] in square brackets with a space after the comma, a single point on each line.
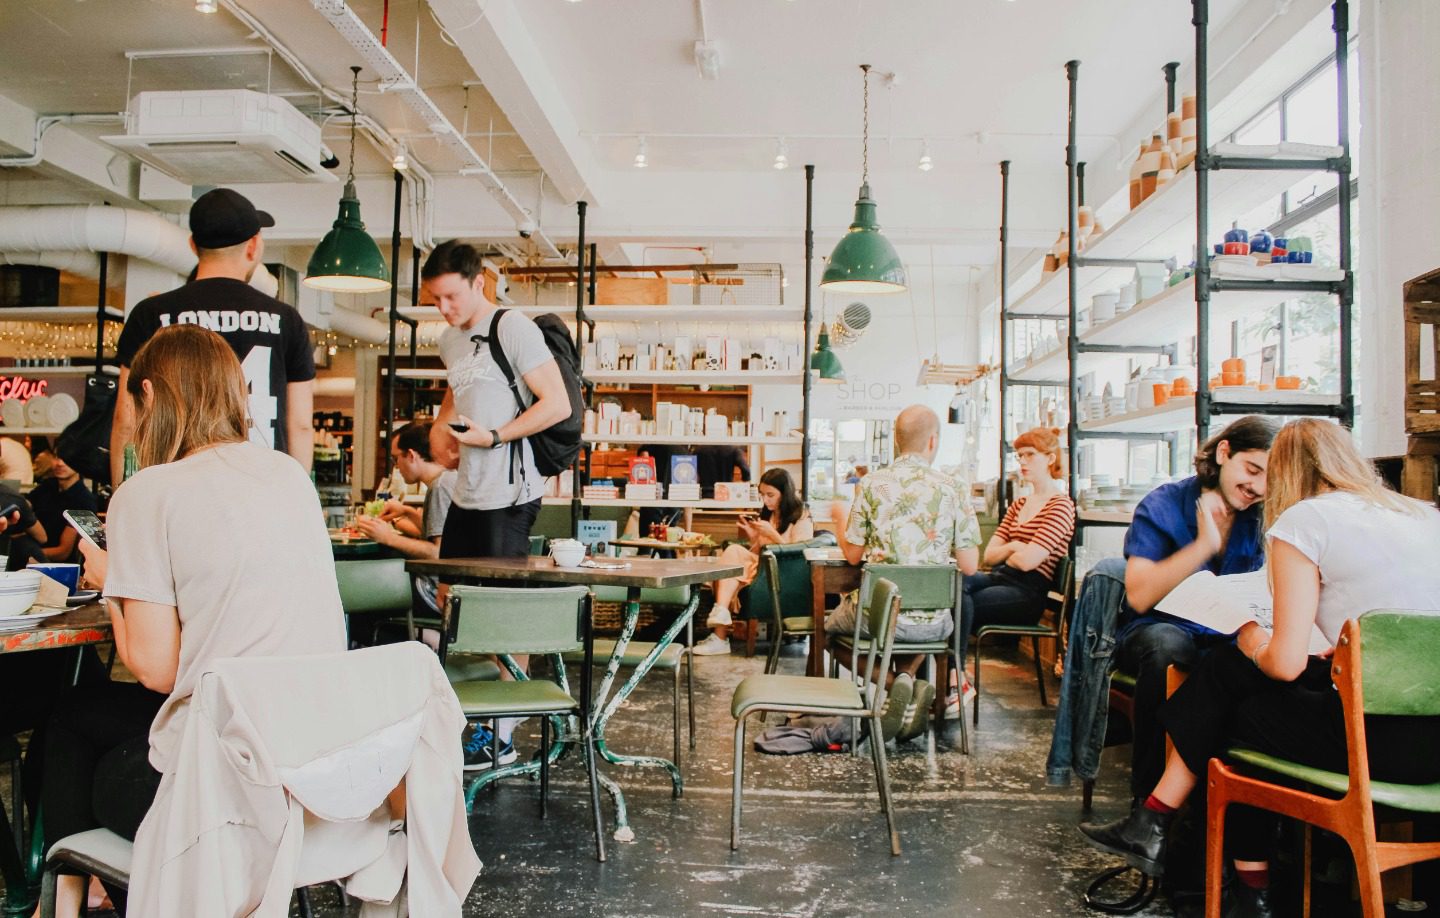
[67, 574]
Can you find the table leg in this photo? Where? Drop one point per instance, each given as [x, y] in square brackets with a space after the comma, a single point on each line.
[608, 705]
[815, 664]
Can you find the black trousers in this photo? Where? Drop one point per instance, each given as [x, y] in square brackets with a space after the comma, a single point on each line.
[1003, 596]
[1147, 651]
[1227, 701]
[97, 768]
[500, 533]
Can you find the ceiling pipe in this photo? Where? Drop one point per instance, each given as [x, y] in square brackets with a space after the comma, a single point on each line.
[399, 83]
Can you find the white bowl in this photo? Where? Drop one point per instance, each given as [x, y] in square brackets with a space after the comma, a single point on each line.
[568, 556]
[18, 590]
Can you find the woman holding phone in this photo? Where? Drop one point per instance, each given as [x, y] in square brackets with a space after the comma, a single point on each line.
[783, 520]
[217, 548]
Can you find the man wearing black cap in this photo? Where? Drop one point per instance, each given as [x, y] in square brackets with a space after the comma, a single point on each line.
[268, 336]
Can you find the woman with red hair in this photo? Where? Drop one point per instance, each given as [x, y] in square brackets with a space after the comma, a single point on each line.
[1032, 538]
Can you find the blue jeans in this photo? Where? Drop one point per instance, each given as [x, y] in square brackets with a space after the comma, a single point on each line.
[1085, 688]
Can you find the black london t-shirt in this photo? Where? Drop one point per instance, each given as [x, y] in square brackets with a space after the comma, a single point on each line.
[267, 336]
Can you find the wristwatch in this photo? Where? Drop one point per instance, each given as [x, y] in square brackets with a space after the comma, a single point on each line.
[495, 441]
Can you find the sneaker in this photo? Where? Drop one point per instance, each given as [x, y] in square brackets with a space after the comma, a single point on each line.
[477, 750]
[713, 645]
[917, 712]
[898, 699]
[952, 706]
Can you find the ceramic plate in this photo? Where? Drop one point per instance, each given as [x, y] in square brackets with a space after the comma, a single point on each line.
[37, 411]
[82, 597]
[12, 412]
[63, 410]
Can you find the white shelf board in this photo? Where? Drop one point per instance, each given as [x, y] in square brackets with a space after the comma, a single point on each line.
[60, 315]
[1175, 414]
[1050, 297]
[726, 313]
[657, 440]
[36, 372]
[1048, 366]
[1170, 315]
[1164, 225]
[1107, 516]
[666, 504]
[697, 377]
[31, 431]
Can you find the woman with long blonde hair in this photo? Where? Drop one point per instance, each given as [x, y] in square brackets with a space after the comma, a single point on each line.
[217, 548]
[1340, 544]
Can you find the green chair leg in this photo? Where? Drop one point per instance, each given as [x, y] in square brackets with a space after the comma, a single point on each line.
[735, 791]
[882, 778]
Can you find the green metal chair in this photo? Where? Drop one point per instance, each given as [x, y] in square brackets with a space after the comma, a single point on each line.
[1386, 663]
[922, 587]
[504, 621]
[669, 660]
[1057, 600]
[781, 625]
[767, 596]
[827, 696]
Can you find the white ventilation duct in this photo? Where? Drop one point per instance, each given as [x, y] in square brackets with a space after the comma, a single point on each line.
[81, 264]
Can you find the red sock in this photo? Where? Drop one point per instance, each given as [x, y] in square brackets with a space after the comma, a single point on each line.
[1255, 879]
[1154, 803]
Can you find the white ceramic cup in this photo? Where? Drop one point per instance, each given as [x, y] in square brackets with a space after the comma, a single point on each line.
[567, 552]
[1102, 307]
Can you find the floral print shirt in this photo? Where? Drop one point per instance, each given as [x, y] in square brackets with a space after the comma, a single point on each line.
[909, 513]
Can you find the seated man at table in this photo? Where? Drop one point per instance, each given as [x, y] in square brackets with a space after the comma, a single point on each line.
[412, 531]
[909, 513]
[61, 490]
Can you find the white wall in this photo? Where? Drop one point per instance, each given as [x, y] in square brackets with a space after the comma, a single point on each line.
[1400, 197]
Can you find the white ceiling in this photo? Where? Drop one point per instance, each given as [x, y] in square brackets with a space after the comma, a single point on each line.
[981, 80]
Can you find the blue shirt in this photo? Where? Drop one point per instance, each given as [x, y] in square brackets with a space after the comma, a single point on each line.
[1165, 522]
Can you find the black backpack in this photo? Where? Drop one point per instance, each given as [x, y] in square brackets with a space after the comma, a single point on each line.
[85, 444]
[556, 448]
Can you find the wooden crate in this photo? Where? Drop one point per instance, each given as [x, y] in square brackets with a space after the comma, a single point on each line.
[632, 291]
[1422, 354]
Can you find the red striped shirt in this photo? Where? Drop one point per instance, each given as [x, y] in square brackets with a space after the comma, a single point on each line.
[1051, 528]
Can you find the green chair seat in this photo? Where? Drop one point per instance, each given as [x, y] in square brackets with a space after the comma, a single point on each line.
[799, 624]
[793, 693]
[1419, 798]
[636, 651]
[1042, 630]
[465, 667]
[666, 596]
[533, 696]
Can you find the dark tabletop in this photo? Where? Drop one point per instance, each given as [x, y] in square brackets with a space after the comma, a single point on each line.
[86, 625]
[656, 573]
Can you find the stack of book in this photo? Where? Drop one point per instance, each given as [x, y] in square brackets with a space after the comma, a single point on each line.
[642, 491]
[684, 492]
[600, 491]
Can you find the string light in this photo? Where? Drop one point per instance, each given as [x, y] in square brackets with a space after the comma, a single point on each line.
[926, 164]
[400, 163]
[782, 159]
[641, 160]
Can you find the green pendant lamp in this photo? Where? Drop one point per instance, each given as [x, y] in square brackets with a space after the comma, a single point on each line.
[864, 261]
[347, 260]
[824, 362]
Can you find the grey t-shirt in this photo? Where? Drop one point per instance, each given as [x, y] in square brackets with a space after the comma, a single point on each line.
[437, 505]
[482, 395]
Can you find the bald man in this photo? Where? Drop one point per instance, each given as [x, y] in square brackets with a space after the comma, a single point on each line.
[909, 513]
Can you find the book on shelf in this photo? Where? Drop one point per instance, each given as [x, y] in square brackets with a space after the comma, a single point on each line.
[642, 491]
[1228, 603]
[600, 492]
[684, 492]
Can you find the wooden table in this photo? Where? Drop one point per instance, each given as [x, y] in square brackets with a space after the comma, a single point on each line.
[88, 624]
[680, 549]
[829, 573]
[638, 575]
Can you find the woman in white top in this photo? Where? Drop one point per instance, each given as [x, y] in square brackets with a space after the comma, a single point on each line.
[1340, 544]
[217, 549]
[783, 520]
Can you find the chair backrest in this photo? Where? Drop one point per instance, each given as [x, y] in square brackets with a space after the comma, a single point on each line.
[374, 585]
[509, 620]
[1062, 588]
[922, 586]
[790, 593]
[1400, 662]
[881, 610]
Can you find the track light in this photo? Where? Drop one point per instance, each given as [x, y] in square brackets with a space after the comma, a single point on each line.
[207, 6]
[400, 163]
[926, 164]
[641, 160]
[782, 158]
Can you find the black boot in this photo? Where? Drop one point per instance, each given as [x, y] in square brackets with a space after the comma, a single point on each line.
[1247, 902]
[1139, 838]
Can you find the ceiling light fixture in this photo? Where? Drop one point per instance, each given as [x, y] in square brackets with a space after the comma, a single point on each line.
[347, 260]
[926, 164]
[400, 163]
[782, 158]
[864, 261]
[707, 59]
[641, 160]
[207, 6]
[823, 361]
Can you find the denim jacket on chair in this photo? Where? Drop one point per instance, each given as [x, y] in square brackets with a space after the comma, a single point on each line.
[1084, 704]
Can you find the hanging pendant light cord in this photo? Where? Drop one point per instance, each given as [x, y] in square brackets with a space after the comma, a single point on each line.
[354, 117]
[865, 137]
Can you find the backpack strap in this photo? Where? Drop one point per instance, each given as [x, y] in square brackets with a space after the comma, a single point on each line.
[497, 353]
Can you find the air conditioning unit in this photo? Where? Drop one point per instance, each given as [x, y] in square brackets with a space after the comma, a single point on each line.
[221, 137]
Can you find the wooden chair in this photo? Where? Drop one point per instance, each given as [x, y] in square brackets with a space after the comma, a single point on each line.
[1400, 652]
[1057, 600]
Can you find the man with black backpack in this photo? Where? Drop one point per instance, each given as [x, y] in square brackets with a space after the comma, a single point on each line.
[498, 489]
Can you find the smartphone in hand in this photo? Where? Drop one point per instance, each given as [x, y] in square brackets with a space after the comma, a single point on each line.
[90, 526]
[458, 427]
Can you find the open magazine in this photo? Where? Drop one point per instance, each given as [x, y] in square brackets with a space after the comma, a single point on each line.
[1225, 604]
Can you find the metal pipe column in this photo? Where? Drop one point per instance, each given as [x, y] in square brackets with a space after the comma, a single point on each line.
[805, 347]
[388, 428]
[1201, 21]
[1072, 341]
[1347, 289]
[1002, 495]
[580, 206]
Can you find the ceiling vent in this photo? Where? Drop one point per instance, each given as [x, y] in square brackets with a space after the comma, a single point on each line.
[220, 137]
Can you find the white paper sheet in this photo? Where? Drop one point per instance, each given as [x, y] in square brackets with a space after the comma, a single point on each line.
[1226, 604]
